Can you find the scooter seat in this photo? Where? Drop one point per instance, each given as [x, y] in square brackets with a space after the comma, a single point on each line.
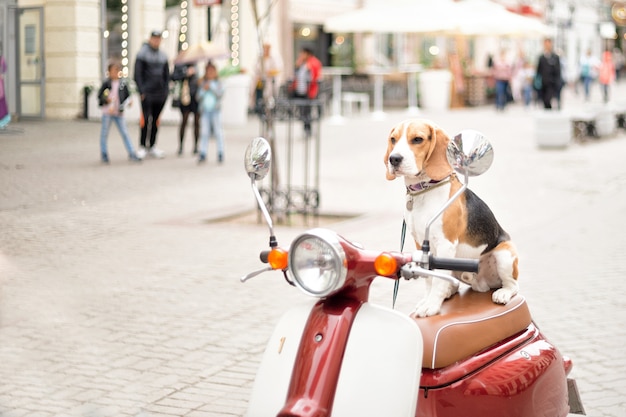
[469, 322]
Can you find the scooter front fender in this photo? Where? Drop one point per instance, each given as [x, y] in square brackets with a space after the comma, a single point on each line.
[380, 370]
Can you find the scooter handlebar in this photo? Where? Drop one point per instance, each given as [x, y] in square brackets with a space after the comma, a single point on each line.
[264, 256]
[453, 264]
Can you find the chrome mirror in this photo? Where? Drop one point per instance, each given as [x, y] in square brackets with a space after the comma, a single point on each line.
[258, 158]
[470, 153]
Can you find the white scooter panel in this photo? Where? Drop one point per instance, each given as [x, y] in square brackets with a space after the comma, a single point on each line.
[382, 366]
[379, 376]
[272, 379]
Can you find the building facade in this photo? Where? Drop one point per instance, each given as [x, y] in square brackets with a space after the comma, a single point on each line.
[56, 49]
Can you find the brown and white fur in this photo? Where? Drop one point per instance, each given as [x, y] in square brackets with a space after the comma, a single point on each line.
[416, 150]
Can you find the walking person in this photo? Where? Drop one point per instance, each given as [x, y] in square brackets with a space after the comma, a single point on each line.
[549, 73]
[187, 103]
[265, 85]
[5, 116]
[619, 61]
[113, 97]
[502, 72]
[589, 65]
[210, 92]
[306, 84]
[527, 75]
[152, 77]
[606, 74]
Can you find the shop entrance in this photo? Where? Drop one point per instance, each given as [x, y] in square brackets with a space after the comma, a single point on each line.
[30, 69]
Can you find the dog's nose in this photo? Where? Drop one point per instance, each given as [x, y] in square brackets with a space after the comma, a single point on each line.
[395, 159]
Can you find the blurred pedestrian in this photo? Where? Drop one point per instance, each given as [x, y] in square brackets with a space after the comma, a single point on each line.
[152, 77]
[5, 117]
[113, 97]
[185, 74]
[606, 74]
[266, 73]
[517, 77]
[563, 80]
[588, 69]
[549, 79]
[502, 72]
[526, 75]
[306, 84]
[619, 60]
[210, 92]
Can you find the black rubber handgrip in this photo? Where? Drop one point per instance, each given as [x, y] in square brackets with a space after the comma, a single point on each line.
[264, 255]
[453, 264]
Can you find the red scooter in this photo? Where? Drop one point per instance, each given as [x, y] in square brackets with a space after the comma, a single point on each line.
[341, 356]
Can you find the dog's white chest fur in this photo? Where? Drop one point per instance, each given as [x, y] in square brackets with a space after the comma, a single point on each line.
[422, 207]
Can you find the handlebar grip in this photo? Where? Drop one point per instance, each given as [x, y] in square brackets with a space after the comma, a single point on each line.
[453, 264]
[264, 255]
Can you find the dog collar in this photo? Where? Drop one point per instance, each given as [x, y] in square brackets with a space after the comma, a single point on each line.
[423, 186]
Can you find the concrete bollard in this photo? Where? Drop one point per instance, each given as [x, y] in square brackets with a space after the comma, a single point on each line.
[606, 124]
[553, 129]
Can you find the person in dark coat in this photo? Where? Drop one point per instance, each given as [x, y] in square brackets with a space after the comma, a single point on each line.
[152, 76]
[186, 75]
[549, 69]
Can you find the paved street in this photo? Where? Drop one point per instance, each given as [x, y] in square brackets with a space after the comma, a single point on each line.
[119, 287]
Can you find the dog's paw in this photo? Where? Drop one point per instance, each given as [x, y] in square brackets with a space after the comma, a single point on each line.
[503, 295]
[426, 309]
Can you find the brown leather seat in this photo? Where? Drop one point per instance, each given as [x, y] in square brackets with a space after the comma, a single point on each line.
[469, 322]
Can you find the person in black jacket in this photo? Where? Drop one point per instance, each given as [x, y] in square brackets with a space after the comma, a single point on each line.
[549, 71]
[186, 75]
[152, 77]
[113, 96]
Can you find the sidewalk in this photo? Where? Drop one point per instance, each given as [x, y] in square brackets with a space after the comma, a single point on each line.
[120, 296]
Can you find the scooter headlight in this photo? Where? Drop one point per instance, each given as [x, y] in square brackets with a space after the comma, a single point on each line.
[317, 263]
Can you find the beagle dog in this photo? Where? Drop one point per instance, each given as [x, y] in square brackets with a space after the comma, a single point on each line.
[416, 150]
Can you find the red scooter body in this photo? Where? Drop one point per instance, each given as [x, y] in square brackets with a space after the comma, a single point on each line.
[523, 375]
[518, 375]
[530, 380]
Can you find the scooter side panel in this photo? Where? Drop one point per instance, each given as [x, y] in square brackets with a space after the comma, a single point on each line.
[381, 367]
[529, 381]
[272, 379]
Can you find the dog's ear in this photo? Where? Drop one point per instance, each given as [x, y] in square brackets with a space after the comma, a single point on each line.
[436, 165]
[388, 174]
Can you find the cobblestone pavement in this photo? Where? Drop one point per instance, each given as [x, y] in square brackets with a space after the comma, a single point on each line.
[120, 296]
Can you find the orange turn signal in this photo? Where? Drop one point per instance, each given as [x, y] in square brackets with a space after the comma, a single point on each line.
[278, 258]
[385, 264]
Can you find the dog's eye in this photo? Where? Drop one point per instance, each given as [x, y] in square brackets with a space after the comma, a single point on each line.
[393, 141]
[417, 140]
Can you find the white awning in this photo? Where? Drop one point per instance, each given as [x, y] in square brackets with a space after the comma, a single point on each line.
[317, 11]
[444, 17]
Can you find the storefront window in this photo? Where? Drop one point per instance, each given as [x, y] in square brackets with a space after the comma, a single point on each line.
[342, 50]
